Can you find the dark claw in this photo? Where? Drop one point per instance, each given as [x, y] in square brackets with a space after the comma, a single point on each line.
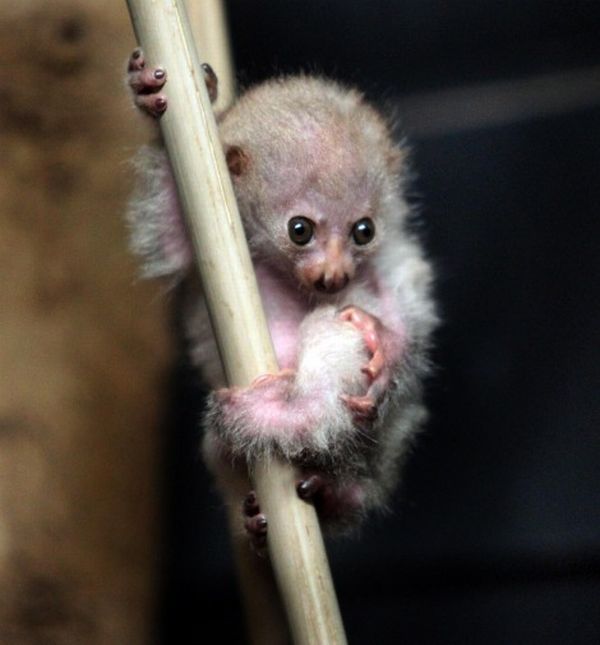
[146, 83]
[151, 104]
[257, 525]
[309, 487]
[212, 82]
[136, 61]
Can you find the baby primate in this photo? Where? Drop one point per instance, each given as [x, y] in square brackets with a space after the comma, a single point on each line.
[346, 289]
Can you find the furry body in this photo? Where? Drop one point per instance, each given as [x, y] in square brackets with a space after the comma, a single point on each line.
[307, 152]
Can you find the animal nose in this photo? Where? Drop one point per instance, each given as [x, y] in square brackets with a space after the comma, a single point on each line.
[331, 284]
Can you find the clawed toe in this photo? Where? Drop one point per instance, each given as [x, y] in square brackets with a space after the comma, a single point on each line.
[255, 522]
[309, 487]
[369, 327]
[375, 366]
[212, 82]
[153, 105]
[256, 526]
[136, 60]
[250, 507]
[147, 81]
[146, 84]
[265, 379]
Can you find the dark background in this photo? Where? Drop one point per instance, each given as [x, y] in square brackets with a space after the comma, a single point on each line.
[495, 536]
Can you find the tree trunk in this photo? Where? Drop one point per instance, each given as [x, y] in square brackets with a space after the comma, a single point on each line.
[84, 350]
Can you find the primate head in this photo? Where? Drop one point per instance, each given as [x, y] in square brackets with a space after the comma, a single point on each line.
[317, 178]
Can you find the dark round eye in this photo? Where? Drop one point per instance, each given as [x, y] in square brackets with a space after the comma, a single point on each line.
[300, 230]
[364, 230]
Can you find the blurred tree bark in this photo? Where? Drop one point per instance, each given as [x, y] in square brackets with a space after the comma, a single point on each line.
[84, 349]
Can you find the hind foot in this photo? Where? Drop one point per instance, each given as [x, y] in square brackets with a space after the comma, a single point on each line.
[255, 523]
[336, 504]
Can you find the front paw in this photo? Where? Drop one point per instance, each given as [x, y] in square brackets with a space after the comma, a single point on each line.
[146, 84]
[371, 328]
[364, 408]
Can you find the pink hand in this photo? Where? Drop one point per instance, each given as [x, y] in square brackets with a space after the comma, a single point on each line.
[370, 328]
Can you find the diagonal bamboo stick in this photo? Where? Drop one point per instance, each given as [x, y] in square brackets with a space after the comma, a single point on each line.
[265, 618]
[295, 544]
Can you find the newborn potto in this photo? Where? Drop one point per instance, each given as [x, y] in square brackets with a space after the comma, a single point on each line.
[319, 182]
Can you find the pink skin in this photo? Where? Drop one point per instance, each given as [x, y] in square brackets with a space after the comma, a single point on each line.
[270, 403]
[267, 396]
[285, 309]
[266, 379]
[365, 407]
[270, 399]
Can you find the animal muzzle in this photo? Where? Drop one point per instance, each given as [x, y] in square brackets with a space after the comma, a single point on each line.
[334, 269]
[331, 283]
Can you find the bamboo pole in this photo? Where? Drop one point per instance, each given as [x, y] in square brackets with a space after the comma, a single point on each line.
[295, 544]
[265, 618]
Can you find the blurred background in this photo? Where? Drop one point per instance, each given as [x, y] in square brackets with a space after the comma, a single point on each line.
[110, 531]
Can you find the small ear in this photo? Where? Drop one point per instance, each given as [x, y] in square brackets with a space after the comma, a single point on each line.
[237, 160]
